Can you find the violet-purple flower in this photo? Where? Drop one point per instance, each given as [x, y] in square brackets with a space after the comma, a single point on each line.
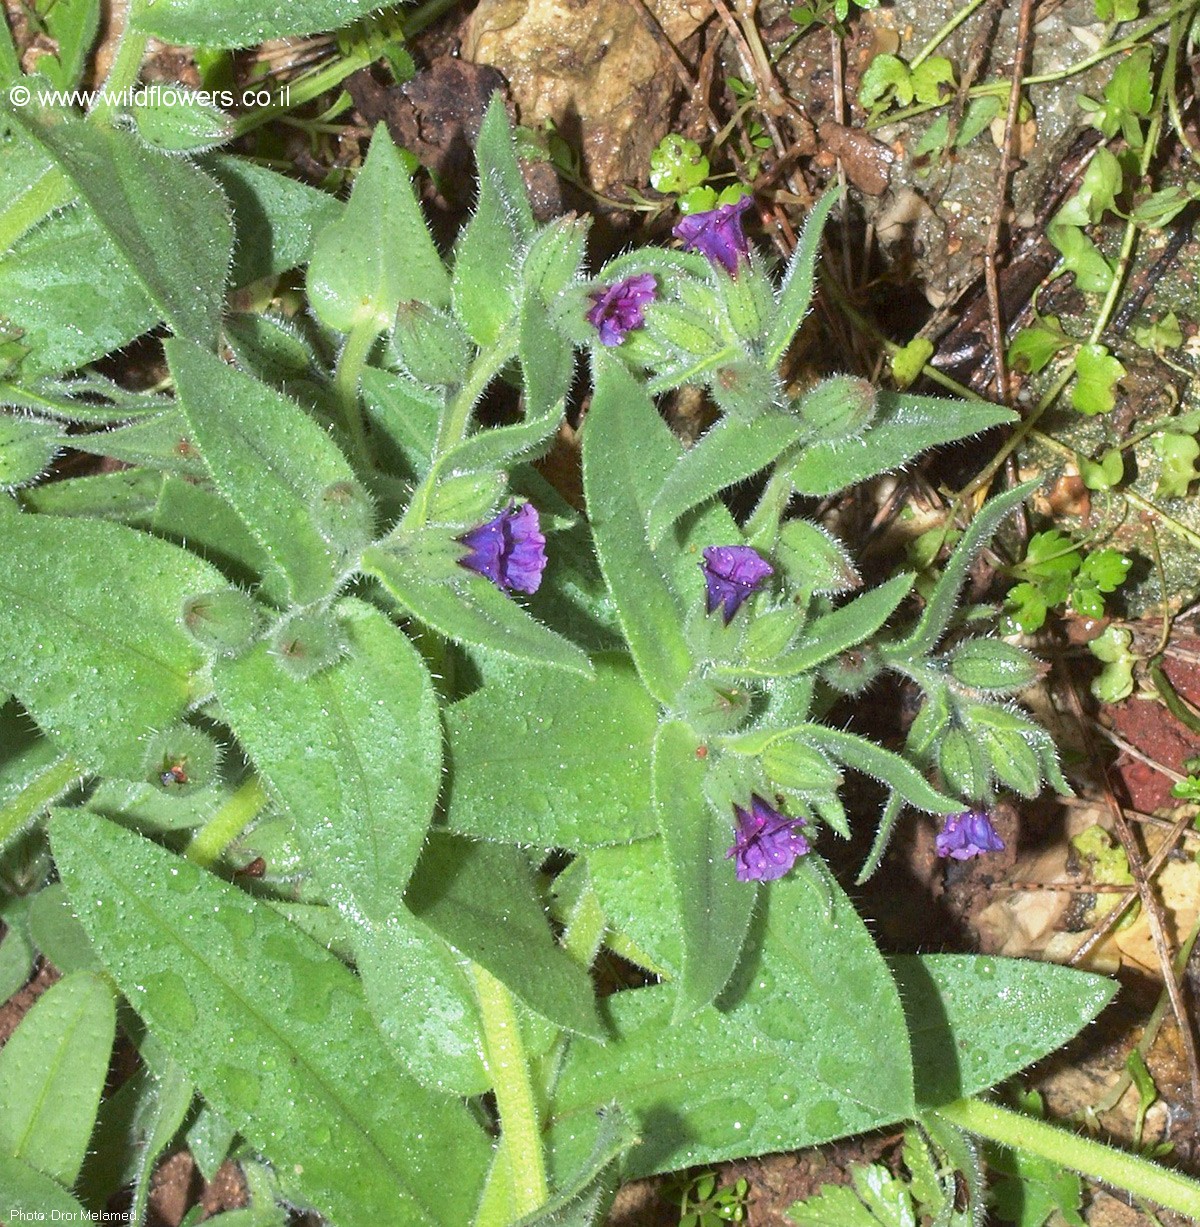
[717, 233]
[621, 308]
[731, 574]
[509, 549]
[765, 842]
[968, 834]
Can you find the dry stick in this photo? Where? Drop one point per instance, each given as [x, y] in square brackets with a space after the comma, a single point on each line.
[1142, 874]
[1162, 945]
[839, 116]
[1128, 748]
[767, 89]
[1007, 165]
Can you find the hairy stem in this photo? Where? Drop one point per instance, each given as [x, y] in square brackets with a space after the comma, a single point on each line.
[227, 823]
[1093, 1159]
[513, 1087]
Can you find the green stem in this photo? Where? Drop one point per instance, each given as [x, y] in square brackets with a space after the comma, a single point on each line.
[1001, 88]
[302, 90]
[456, 420]
[227, 823]
[126, 66]
[349, 371]
[944, 33]
[763, 525]
[488, 364]
[513, 1088]
[1092, 1159]
[43, 790]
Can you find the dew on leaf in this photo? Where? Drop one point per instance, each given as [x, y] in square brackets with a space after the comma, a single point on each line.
[240, 1086]
[168, 999]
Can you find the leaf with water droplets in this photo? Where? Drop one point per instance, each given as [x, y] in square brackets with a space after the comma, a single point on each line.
[274, 1031]
[627, 454]
[52, 1071]
[91, 640]
[714, 907]
[362, 794]
[808, 1044]
[268, 458]
[977, 1020]
[560, 762]
[482, 899]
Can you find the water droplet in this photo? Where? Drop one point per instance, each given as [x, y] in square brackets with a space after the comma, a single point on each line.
[780, 1097]
[824, 1120]
[167, 999]
[238, 924]
[240, 1086]
[182, 879]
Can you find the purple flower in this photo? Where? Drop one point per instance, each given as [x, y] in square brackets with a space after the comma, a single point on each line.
[509, 550]
[966, 835]
[731, 574]
[765, 842]
[717, 234]
[619, 308]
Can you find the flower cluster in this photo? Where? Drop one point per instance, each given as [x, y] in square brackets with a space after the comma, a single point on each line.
[731, 574]
[765, 842]
[621, 308]
[966, 835]
[509, 549]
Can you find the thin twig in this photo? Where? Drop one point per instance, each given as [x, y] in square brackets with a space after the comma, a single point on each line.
[1128, 748]
[1143, 873]
[758, 69]
[1007, 166]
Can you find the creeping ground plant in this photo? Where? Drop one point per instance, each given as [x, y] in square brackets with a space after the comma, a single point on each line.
[338, 745]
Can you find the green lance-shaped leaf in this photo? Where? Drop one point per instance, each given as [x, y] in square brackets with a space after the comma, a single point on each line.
[158, 442]
[268, 458]
[231, 23]
[837, 631]
[904, 427]
[165, 217]
[422, 997]
[509, 758]
[975, 1021]
[796, 1055]
[378, 254]
[487, 256]
[161, 1112]
[276, 217]
[731, 451]
[898, 774]
[363, 792]
[83, 398]
[714, 907]
[939, 607]
[247, 1004]
[27, 446]
[73, 28]
[795, 295]
[91, 641]
[52, 1071]
[470, 609]
[627, 454]
[29, 1192]
[547, 364]
[482, 899]
[69, 313]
